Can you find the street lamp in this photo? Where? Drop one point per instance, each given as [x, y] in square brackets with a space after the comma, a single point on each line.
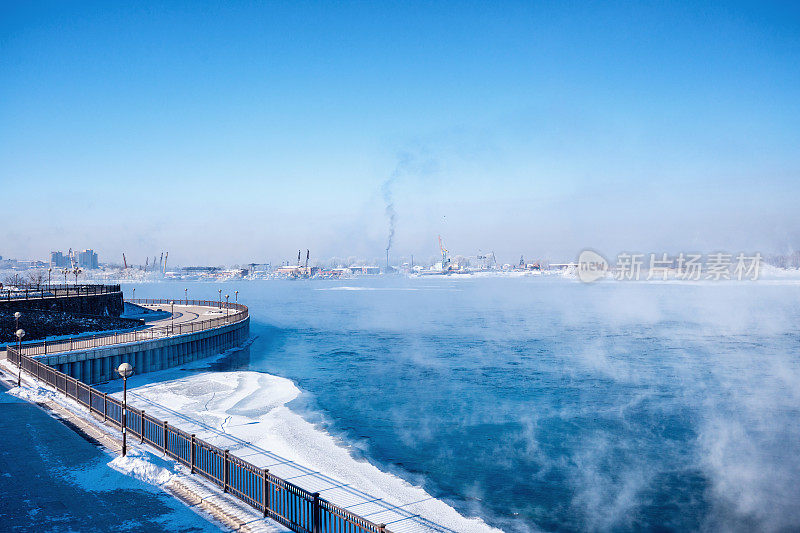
[49, 270]
[125, 370]
[20, 333]
[226, 304]
[65, 272]
[76, 271]
[134, 294]
[237, 296]
[186, 295]
[16, 319]
[172, 318]
[220, 298]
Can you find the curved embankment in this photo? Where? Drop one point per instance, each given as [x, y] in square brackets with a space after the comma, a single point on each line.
[215, 327]
[297, 508]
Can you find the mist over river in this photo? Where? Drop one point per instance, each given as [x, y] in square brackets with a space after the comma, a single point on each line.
[542, 403]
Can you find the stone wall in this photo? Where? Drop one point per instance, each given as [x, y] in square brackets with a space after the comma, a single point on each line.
[40, 324]
[109, 304]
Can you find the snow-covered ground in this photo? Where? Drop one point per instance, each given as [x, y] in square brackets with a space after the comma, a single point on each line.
[210, 510]
[246, 412]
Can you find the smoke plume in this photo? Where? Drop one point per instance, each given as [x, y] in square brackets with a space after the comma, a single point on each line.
[388, 195]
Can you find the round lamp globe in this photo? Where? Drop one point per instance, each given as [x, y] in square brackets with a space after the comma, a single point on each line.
[125, 370]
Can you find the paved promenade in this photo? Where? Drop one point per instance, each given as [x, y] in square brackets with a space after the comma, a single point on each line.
[51, 474]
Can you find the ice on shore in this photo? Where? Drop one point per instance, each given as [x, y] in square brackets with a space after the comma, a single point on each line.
[246, 412]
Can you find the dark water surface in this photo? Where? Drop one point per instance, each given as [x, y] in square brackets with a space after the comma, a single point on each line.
[542, 403]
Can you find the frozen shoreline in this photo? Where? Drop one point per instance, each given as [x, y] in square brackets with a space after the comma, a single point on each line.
[246, 412]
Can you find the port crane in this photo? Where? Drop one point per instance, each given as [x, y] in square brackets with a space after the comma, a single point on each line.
[124, 261]
[445, 261]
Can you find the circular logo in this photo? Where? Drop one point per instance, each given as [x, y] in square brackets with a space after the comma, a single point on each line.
[591, 266]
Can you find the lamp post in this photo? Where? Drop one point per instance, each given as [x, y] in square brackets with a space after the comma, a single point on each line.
[220, 298]
[134, 294]
[16, 319]
[65, 272]
[186, 295]
[125, 370]
[49, 270]
[76, 271]
[20, 333]
[237, 296]
[172, 318]
[226, 304]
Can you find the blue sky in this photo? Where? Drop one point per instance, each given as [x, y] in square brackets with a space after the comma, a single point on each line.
[242, 132]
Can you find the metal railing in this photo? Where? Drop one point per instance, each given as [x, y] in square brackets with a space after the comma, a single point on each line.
[234, 313]
[278, 499]
[38, 292]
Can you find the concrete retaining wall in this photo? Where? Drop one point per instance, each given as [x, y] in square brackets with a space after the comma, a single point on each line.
[99, 364]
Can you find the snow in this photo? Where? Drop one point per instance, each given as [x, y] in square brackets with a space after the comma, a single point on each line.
[247, 413]
[139, 464]
[33, 395]
[145, 464]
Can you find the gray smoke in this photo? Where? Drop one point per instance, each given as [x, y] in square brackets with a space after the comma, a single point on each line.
[388, 194]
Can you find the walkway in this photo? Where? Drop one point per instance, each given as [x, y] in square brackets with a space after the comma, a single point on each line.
[190, 317]
[54, 479]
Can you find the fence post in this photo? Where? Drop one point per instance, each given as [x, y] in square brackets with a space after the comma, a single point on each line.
[105, 414]
[316, 526]
[382, 528]
[45, 346]
[191, 455]
[225, 473]
[141, 433]
[265, 491]
[165, 437]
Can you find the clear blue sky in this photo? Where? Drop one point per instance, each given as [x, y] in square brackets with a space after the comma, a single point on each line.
[238, 132]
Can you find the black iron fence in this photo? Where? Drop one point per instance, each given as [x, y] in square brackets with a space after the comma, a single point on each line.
[278, 499]
[230, 313]
[30, 292]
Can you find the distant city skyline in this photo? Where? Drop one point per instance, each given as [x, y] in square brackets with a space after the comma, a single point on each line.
[230, 134]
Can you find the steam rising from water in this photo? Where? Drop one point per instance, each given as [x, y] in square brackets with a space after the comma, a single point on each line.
[545, 404]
